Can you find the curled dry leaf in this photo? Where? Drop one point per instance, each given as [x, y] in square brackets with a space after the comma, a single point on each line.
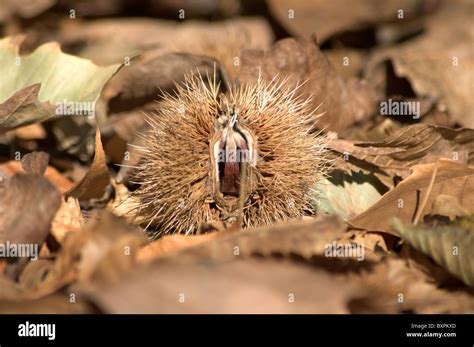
[415, 195]
[239, 286]
[449, 246]
[27, 97]
[96, 180]
[342, 102]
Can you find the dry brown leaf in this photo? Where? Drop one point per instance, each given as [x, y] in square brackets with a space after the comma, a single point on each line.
[343, 102]
[34, 97]
[23, 8]
[449, 246]
[372, 242]
[418, 261]
[207, 40]
[127, 124]
[110, 40]
[121, 146]
[173, 243]
[439, 64]
[107, 248]
[100, 252]
[96, 180]
[9, 289]
[375, 131]
[3, 266]
[34, 273]
[151, 73]
[346, 194]
[68, 218]
[405, 201]
[448, 205]
[322, 18]
[35, 162]
[53, 304]
[339, 58]
[16, 111]
[31, 132]
[59, 181]
[392, 287]
[302, 238]
[27, 206]
[411, 145]
[240, 286]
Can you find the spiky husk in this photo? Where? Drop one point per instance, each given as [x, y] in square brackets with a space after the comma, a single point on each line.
[173, 176]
